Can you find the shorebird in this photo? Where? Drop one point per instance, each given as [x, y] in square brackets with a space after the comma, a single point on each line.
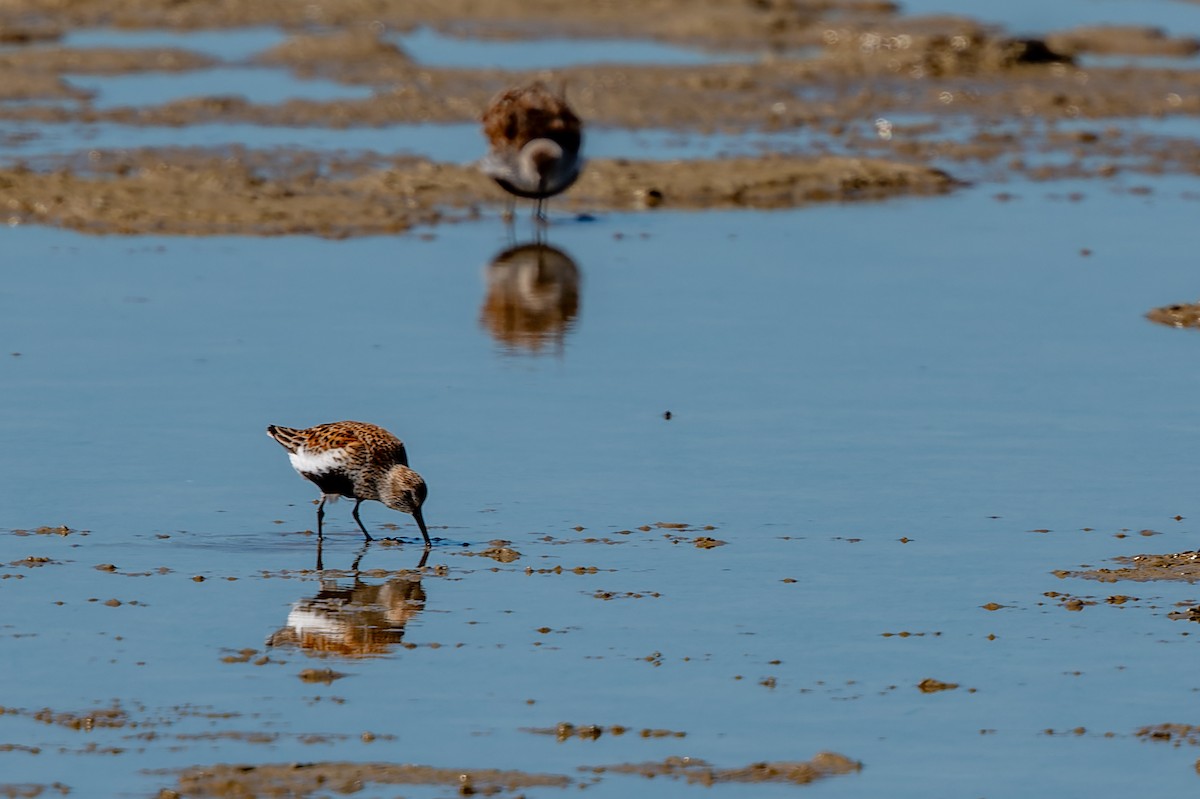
[534, 139]
[356, 460]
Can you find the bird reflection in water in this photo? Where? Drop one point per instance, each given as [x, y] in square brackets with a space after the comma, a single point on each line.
[532, 297]
[352, 618]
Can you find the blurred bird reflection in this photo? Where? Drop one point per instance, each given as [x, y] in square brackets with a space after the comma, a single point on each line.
[353, 618]
[532, 297]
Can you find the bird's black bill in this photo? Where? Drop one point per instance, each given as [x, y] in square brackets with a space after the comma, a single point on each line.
[421, 524]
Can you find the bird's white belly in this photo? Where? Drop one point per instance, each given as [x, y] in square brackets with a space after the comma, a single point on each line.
[306, 461]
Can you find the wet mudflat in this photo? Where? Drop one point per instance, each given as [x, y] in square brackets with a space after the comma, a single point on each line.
[830, 494]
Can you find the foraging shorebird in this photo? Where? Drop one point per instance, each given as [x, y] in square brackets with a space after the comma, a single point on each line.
[356, 460]
[534, 142]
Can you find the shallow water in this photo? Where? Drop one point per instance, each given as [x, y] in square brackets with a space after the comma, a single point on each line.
[891, 414]
[237, 44]
[427, 46]
[461, 142]
[255, 84]
[952, 371]
[1035, 17]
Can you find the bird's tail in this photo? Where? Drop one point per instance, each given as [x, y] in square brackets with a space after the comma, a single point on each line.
[289, 437]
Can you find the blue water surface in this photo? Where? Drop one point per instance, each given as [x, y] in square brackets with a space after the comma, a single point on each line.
[954, 372]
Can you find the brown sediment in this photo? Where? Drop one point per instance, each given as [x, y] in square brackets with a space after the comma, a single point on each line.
[102, 61]
[498, 550]
[711, 22]
[61, 529]
[1122, 40]
[338, 53]
[202, 193]
[30, 790]
[1178, 315]
[1181, 566]
[694, 770]
[114, 716]
[326, 676]
[831, 72]
[305, 779]
[932, 686]
[1177, 734]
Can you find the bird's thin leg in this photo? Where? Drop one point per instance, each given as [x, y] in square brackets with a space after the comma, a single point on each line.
[360, 524]
[424, 558]
[321, 518]
[320, 562]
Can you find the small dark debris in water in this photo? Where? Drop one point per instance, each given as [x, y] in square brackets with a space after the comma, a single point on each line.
[561, 570]
[1085, 252]
[932, 686]
[105, 567]
[242, 656]
[608, 595]
[992, 606]
[326, 676]
[564, 731]
[584, 218]
[704, 542]
[32, 562]
[667, 415]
